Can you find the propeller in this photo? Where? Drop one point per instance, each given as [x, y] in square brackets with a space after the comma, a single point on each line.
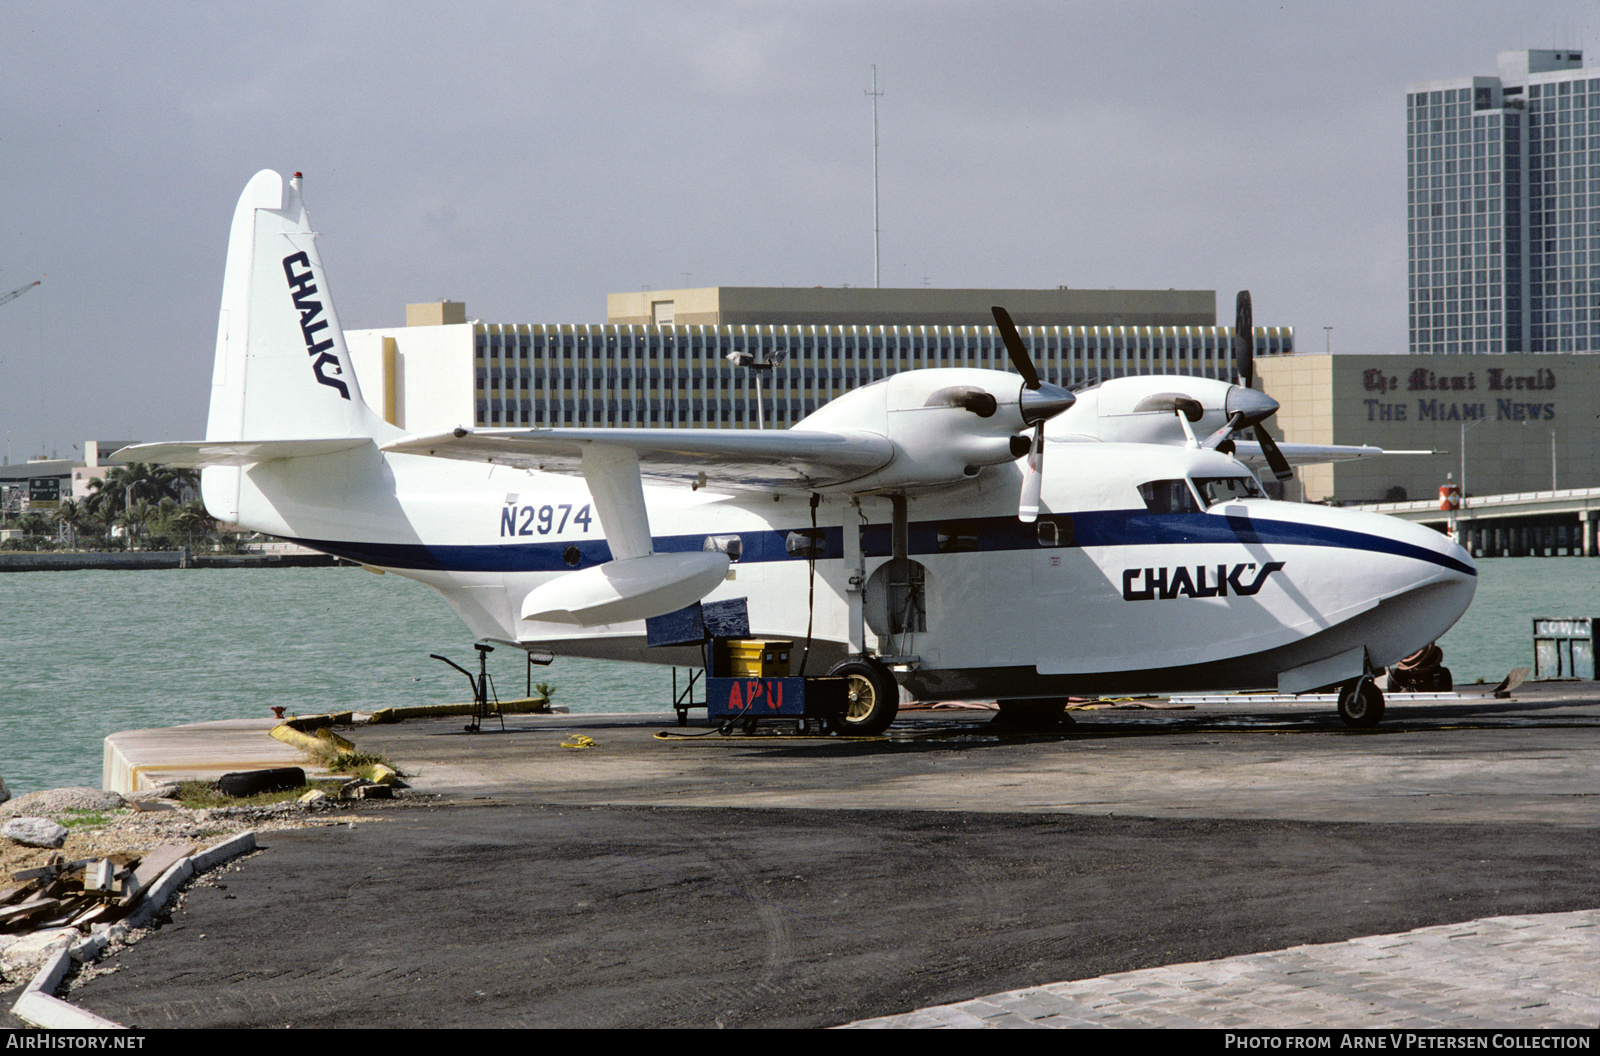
[1244, 339]
[1244, 357]
[1039, 403]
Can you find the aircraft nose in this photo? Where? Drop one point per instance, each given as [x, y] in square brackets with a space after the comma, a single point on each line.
[1425, 597]
[1455, 565]
[1449, 554]
[1256, 406]
[1046, 402]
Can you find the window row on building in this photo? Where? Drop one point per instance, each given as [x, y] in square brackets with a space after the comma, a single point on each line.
[680, 375]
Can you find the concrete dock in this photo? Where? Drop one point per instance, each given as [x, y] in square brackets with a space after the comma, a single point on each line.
[1239, 865]
[138, 760]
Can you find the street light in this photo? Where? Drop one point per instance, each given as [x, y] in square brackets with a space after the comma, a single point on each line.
[749, 362]
[1464, 428]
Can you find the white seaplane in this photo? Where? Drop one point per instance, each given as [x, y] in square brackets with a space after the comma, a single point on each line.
[911, 531]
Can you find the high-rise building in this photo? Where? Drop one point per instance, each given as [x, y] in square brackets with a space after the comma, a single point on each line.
[1503, 208]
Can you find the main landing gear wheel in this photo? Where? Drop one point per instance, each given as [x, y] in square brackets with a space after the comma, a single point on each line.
[874, 696]
[1360, 704]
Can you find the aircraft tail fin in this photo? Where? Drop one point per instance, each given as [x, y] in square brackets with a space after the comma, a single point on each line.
[282, 371]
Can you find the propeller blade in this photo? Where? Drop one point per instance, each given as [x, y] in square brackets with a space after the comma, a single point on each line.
[1032, 478]
[1269, 447]
[1039, 402]
[1244, 357]
[1244, 339]
[1019, 352]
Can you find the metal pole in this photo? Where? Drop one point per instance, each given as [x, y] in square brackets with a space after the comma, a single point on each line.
[876, 283]
[1464, 428]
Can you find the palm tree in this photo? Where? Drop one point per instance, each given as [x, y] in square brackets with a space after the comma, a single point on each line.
[140, 481]
[192, 519]
[133, 519]
[74, 517]
[33, 523]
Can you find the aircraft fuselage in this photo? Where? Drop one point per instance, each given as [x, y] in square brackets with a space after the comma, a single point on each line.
[1105, 592]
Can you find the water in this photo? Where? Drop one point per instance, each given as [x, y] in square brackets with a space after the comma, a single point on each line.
[91, 653]
[1496, 634]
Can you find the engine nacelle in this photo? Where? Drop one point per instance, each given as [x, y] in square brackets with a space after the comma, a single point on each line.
[1144, 410]
[945, 424]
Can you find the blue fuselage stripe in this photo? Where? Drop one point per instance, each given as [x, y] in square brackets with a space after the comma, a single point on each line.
[1108, 528]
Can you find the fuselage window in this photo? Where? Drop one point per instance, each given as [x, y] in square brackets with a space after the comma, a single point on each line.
[1168, 496]
[731, 545]
[1227, 489]
[957, 537]
[806, 542]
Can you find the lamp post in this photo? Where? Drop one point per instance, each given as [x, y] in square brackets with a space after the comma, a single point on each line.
[749, 362]
[1464, 428]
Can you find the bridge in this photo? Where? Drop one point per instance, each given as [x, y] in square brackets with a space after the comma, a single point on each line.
[1548, 523]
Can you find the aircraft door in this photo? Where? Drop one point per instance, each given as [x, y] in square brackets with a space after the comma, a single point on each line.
[1054, 568]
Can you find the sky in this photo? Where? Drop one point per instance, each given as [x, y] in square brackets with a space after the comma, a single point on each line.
[529, 157]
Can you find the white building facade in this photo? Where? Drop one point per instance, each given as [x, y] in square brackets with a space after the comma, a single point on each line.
[473, 374]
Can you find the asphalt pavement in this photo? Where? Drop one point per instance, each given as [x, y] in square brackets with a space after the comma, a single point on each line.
[621, 871]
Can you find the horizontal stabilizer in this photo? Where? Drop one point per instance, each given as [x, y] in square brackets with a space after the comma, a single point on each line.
[634, 589]
[197, 454]
[729, 458]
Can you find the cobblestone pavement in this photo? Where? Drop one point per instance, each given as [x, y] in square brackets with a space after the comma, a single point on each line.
[1521, 972]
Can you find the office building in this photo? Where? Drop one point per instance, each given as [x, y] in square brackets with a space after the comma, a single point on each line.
[444, 371]
[1501, 423]
[1503, 208]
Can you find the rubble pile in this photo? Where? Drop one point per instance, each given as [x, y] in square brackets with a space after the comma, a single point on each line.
[79, 894]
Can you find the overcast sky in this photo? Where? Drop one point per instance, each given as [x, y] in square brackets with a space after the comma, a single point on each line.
[528, 158]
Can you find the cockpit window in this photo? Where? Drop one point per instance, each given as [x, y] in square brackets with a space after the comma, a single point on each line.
[1227, 489]
[1168, 496]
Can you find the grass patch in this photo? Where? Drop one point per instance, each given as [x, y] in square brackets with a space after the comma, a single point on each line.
[200, 795]
[83, 818]
[358, 762]
[348, 761]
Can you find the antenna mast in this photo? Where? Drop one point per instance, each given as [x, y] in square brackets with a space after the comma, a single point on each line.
[876, 283]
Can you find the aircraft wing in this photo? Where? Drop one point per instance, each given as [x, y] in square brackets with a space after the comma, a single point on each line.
[1249, 452]
[726, 458]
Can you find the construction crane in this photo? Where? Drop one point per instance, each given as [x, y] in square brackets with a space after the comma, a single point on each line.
[18, 292]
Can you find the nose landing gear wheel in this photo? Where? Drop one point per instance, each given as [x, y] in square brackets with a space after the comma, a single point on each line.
[1360, 704]
[874, 696]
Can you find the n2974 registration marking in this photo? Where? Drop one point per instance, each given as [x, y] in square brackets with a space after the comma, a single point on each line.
[544, 520]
